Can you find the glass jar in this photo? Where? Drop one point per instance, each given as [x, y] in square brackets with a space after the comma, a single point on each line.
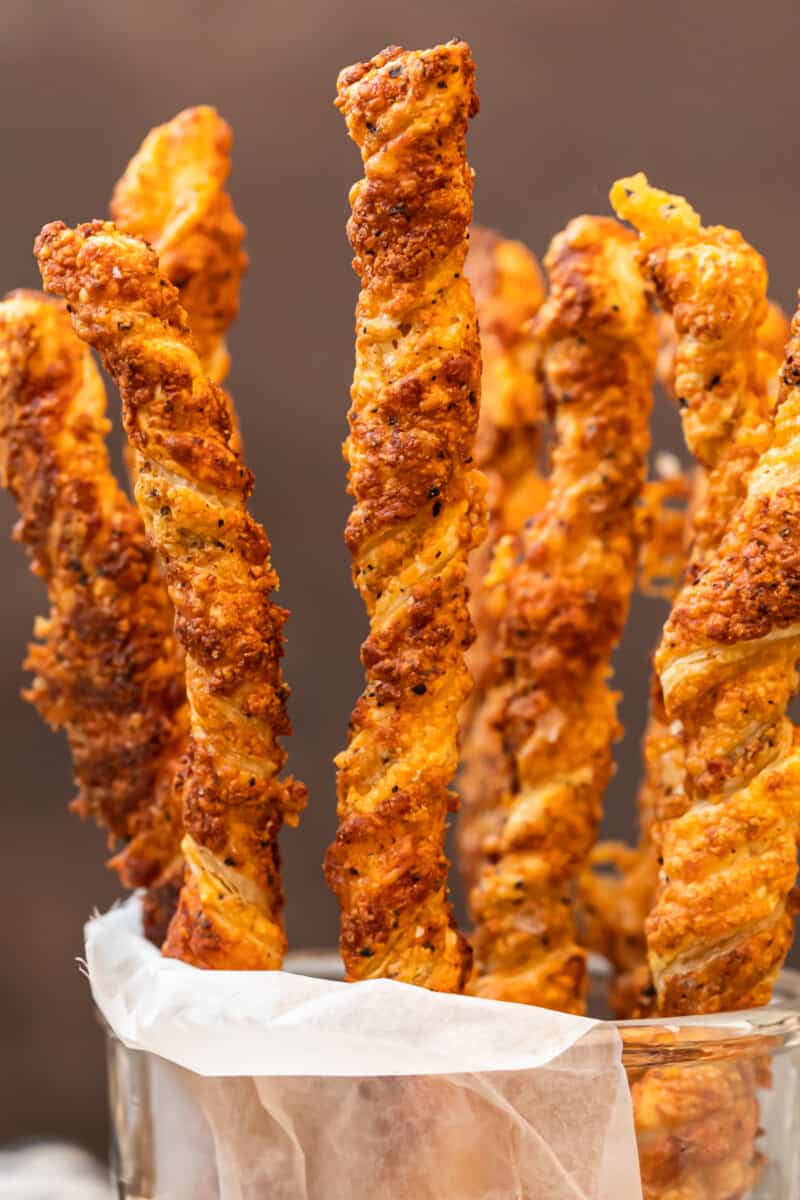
[716, 1101]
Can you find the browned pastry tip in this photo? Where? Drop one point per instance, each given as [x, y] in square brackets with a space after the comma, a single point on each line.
[509, 290]
[173, 195]
[191, 490]
[566, 603]
[105, 663]
[713, 285]
[418, 510]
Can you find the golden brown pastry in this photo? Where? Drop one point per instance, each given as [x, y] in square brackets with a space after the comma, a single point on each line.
[773, 333]
[419, 510]
[714, 284]
[105, 662]
[567, 600]
[173, 195]
[192, 489]
[508, 290]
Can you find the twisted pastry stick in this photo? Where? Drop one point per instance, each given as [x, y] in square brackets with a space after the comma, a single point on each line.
[419, 510]
[567, 603]
[722, 922]
[192, 489]
[613, 908]
[714, 284]
[621, 905]
[106, 665]
[508, 290]
[634, 995]
[173, 195]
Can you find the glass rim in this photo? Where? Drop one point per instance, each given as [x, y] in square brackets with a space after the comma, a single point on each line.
[746, 1033]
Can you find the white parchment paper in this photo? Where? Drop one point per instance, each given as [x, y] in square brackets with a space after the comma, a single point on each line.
[268, 1084]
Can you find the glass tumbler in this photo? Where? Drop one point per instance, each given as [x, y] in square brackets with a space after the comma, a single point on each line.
[716, 1101]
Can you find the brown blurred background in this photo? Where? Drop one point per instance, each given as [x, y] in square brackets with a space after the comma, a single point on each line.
[702, 96]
